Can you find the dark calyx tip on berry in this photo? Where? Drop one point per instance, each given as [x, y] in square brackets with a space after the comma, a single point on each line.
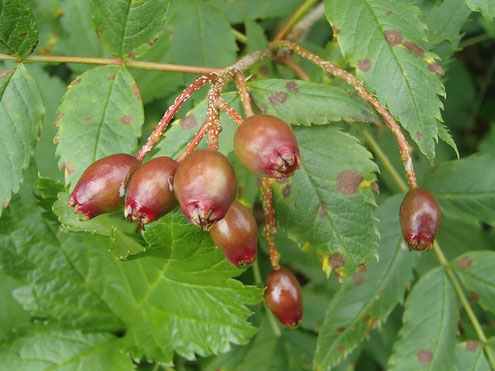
[203, 218]
[285, 165]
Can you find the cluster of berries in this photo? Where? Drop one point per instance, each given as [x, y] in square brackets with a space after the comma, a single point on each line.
[204, 184]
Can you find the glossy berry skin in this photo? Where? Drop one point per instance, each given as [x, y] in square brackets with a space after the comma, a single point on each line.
[283, 297]
[149, 192]
[236, 235]
[420, 218]
[267, 146]
[101, 188]
[205, 185]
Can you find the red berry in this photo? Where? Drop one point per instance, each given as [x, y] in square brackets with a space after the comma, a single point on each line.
[205, 185]
[283, 297]
[236, 235]
[267, 146]
[101, 188]
[420, 218]
[149, 192]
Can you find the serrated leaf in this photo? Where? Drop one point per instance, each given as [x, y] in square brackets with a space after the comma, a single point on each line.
[475, 269]
[290, 352]
[21, 116]
[128, 28]
[486, 7]
[427, 338]
[40, 347]
[256, 38]
[309, 103]
[328, 203]
[469, 356]
[239, 10]
[200, 35]
[365, 300]
[465, 188]
[179, 297]
[18, 32]
[390, 54]
[101, 114]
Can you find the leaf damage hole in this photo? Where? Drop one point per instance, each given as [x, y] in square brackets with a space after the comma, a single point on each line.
[286, 191]
[393, 37]
[188, 122]
[75, 82]
[424, 356]
[278, 97]
[335, 30]
[348, 182]
[336, 261]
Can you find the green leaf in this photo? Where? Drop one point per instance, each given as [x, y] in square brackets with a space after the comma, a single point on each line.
[309, 103]
[365, 300]
[181, 292]
[101, 114]
[486, 7]
[465, 188]
[40, 347]
[469, 356]
[240, 10]
[11, 315]
[267, 352]
[475, 269]
[256, 38]
[18, 32]
[21, 115]
[389, 53]
[427, 338]
[200, 35]
[328, 203]
[128, 28]
[487, 144]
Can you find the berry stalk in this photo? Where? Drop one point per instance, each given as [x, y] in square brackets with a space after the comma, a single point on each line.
[270, 227]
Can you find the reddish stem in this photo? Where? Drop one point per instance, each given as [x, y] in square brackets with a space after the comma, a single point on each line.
[270, 227]
[241, 84]
[229, 110]
[195, 141]
[213, 118]
[155, 136]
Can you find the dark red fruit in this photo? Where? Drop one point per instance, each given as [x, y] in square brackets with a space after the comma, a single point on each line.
[420, 218]
[236, 235]
[267, 146]
[149, 192]
[205, 185]
[102, 186]
[283, 297]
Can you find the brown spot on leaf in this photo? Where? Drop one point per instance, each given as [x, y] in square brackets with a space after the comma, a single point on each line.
[413, 48]
[357, 278]
[389, 12]
[282, 180]
[89, 118]
[264, 70]
[188, 122]
[292, 87]
[111, 78]
[59, 117]
[341, 349]
[364, 65]
[434, 67]
[170, 32]
[348, 182]
[322, 212]
[277, 97]
[419, 135]
[126, 120]
[362, 268]
[340, 329]
[336, 261]
[336, 30]
[464, 263]
[5, 204]
[131, 55]
[136, 92]
[22, 34]
[6, 73]
[152, 42]
[424, 356]
[474, 297]
[286, 191]
[75, 82]
[393, 37]
[56, 139]
[366, 318]
[472, 345]
[240, 191]
[374, 324]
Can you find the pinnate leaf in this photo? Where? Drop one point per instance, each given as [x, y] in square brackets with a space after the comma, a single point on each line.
[390, 54]
[469, 355]
[40, 347]
[128, 28]
[365, 300]
[310, 103]
[18, 32]
[486, 7]
[329, 203]
[21, 116]
[476, 271]
[465, 188]
[427, 338]
[101, 114]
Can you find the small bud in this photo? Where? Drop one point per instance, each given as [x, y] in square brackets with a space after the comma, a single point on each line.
[267, 146]
[236, 235]
[101, 188]
[149, 192]
[205, 185]
[420, 218]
